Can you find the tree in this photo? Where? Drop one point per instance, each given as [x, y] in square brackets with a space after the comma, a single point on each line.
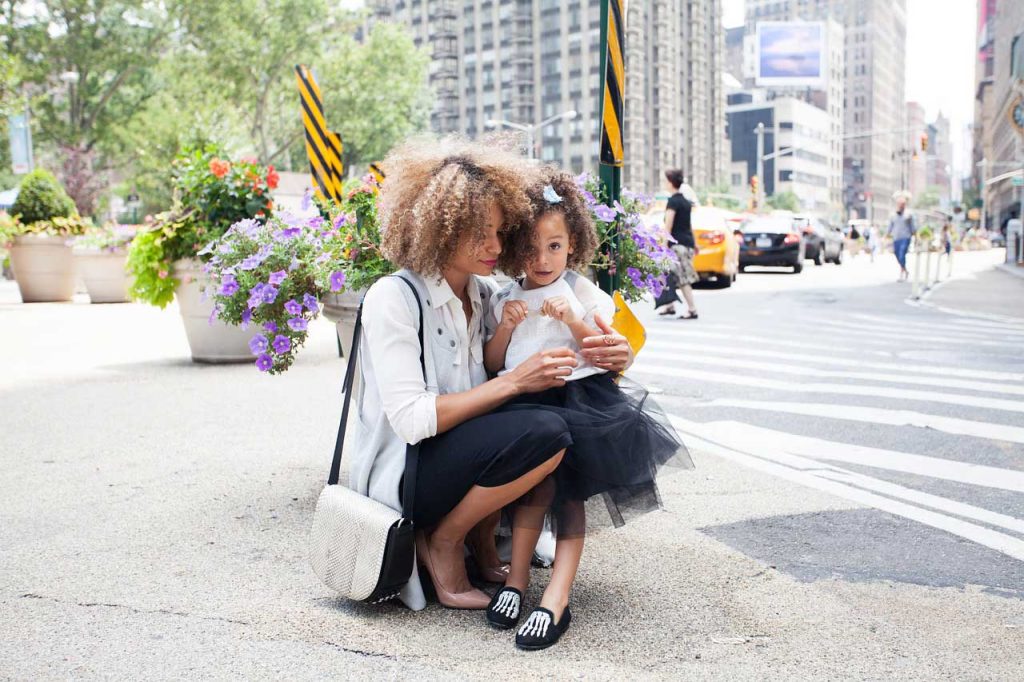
[927, 199]
[89, 63]
[720, 195]
[375, 93]
[784, 201]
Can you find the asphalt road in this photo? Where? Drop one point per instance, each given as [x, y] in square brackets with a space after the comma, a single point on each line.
[856, 511]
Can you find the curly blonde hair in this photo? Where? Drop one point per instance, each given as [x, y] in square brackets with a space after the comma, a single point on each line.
[518, 247]
[437, 193]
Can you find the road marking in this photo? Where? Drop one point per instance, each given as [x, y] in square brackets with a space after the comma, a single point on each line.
[704, 358]
[1001, 542]
[657, 330]
[876, 458]
[878, 416]
[980, 325]
[836, 389]
[902, 368]
[912, 334]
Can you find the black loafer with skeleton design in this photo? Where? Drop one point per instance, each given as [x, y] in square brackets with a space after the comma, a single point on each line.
[505, 608]
[540, 630]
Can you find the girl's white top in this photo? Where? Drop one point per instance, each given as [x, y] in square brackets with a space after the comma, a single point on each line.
[539, 332]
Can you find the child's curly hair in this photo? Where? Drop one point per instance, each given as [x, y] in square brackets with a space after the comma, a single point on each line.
[437, 193]
[518, 248]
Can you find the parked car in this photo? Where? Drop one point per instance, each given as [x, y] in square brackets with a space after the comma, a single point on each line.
[772, 241]
[824, 243]
[718, 254]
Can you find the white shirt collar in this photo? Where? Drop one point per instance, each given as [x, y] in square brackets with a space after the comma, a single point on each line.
[440, 292]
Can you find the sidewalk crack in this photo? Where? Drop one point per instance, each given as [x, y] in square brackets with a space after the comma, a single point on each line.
[186, 614]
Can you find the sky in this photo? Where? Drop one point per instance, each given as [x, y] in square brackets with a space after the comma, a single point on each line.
[940, 62]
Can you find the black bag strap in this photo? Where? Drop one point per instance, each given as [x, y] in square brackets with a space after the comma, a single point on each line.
[412, 451]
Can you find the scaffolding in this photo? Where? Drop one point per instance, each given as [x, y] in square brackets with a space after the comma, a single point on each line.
[444, 77]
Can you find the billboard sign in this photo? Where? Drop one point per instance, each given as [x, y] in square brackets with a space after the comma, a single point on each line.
[791, 53]
[21, 143]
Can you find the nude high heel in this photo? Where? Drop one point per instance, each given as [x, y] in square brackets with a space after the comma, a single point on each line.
[472, 599]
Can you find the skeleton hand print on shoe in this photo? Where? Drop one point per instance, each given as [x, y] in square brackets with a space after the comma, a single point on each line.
[508, 604]
[536, 625]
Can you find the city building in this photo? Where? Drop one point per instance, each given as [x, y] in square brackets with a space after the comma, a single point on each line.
[829, 96]
[916, 163]
[1007, 125]
[984, 100]
[940, 161]
[875, 102]
[524, 61]
[809, 165]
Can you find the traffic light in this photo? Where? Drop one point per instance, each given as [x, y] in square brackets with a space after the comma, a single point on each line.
[924, 142]
[753, 184]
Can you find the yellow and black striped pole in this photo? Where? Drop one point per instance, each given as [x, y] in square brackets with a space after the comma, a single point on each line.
[322, 146]
[613, 88]
[377, 173]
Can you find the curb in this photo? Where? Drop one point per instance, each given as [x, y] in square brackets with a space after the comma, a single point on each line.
[1010, 268]
[922, 302]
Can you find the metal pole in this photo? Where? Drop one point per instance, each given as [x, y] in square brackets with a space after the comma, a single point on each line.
[759, 131]
[984, 196]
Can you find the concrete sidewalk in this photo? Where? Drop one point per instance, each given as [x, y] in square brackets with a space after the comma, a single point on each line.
[994, 292]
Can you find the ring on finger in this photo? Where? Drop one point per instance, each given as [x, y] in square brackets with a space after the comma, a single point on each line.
[608, 340]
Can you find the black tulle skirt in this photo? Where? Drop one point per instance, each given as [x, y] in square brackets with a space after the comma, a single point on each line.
[621, 441]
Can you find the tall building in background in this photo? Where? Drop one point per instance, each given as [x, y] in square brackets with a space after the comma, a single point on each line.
[940, 160]
[1008, 112]
[984, 100]
[917, 163]
[526, 60]
[875, 33]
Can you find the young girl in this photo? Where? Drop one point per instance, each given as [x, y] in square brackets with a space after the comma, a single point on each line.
[620, 439]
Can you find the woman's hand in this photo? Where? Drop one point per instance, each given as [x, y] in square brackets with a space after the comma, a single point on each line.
[543, 370]
[559, 308]
[608, 351]
[512, 314]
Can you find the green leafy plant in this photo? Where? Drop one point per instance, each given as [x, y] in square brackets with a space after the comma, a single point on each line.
[42, 206]
[110, 238]
[213, 193]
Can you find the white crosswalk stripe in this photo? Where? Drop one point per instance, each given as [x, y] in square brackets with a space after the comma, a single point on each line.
[740, 383]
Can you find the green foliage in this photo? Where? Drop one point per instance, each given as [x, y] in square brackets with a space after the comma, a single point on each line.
[41, 198]
[363, 262]
[784, 201]
[927, 199]
[108, 238]
[149, 265]
[720, 196]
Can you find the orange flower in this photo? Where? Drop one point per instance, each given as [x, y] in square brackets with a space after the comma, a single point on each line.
[272, 177]
[219, 167]
[270, 205]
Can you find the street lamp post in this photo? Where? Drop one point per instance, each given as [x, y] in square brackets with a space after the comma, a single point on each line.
[531, 129]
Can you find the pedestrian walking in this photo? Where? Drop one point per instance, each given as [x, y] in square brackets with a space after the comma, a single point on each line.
[874, 241]
[620, 439]
[446, 206]
[902, 230]
[679, 232]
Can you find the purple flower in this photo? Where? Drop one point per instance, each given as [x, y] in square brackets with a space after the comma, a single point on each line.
[309, 300]
[293, 307]
[277, 277]
[225, 248]
[206, 249]
[282, 344]
[604, 213]
[307, 199]
[269, 293]
[316, 222]
[228, 285]
[287, 234]
[256, 295]
[246, 318]
[271, 327]
[635, 277]
[618, 207]
[258, 344]
[340, 220]
[264, 362]
[590, 198]
[337, 281]
[247, 227]
[655, 284]
[294, 265]
[213, 314]
[298, 324]
[250, 263]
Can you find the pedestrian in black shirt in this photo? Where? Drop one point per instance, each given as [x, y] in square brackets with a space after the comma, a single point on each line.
[679, 234]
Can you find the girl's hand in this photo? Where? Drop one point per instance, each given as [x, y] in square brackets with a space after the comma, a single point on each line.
[543, 370]
[512, 314]
[608, 351]
[559, 308]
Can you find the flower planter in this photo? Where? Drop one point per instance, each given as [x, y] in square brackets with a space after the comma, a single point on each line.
[104, 275]
[214, 343]
[44, 268]
[341, 309]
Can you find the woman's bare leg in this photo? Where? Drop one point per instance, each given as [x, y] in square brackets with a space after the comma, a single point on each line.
[481, 541]
[568, 552]
[527, 525]
[445, 543]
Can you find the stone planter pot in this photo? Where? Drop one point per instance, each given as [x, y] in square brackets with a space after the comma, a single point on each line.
[44, 268]
[103, 274]
[341, 309]
[214, 343]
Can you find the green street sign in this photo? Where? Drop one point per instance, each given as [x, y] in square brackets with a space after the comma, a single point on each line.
[1018, 181]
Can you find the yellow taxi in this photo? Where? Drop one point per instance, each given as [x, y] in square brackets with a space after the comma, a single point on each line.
[718, 252]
